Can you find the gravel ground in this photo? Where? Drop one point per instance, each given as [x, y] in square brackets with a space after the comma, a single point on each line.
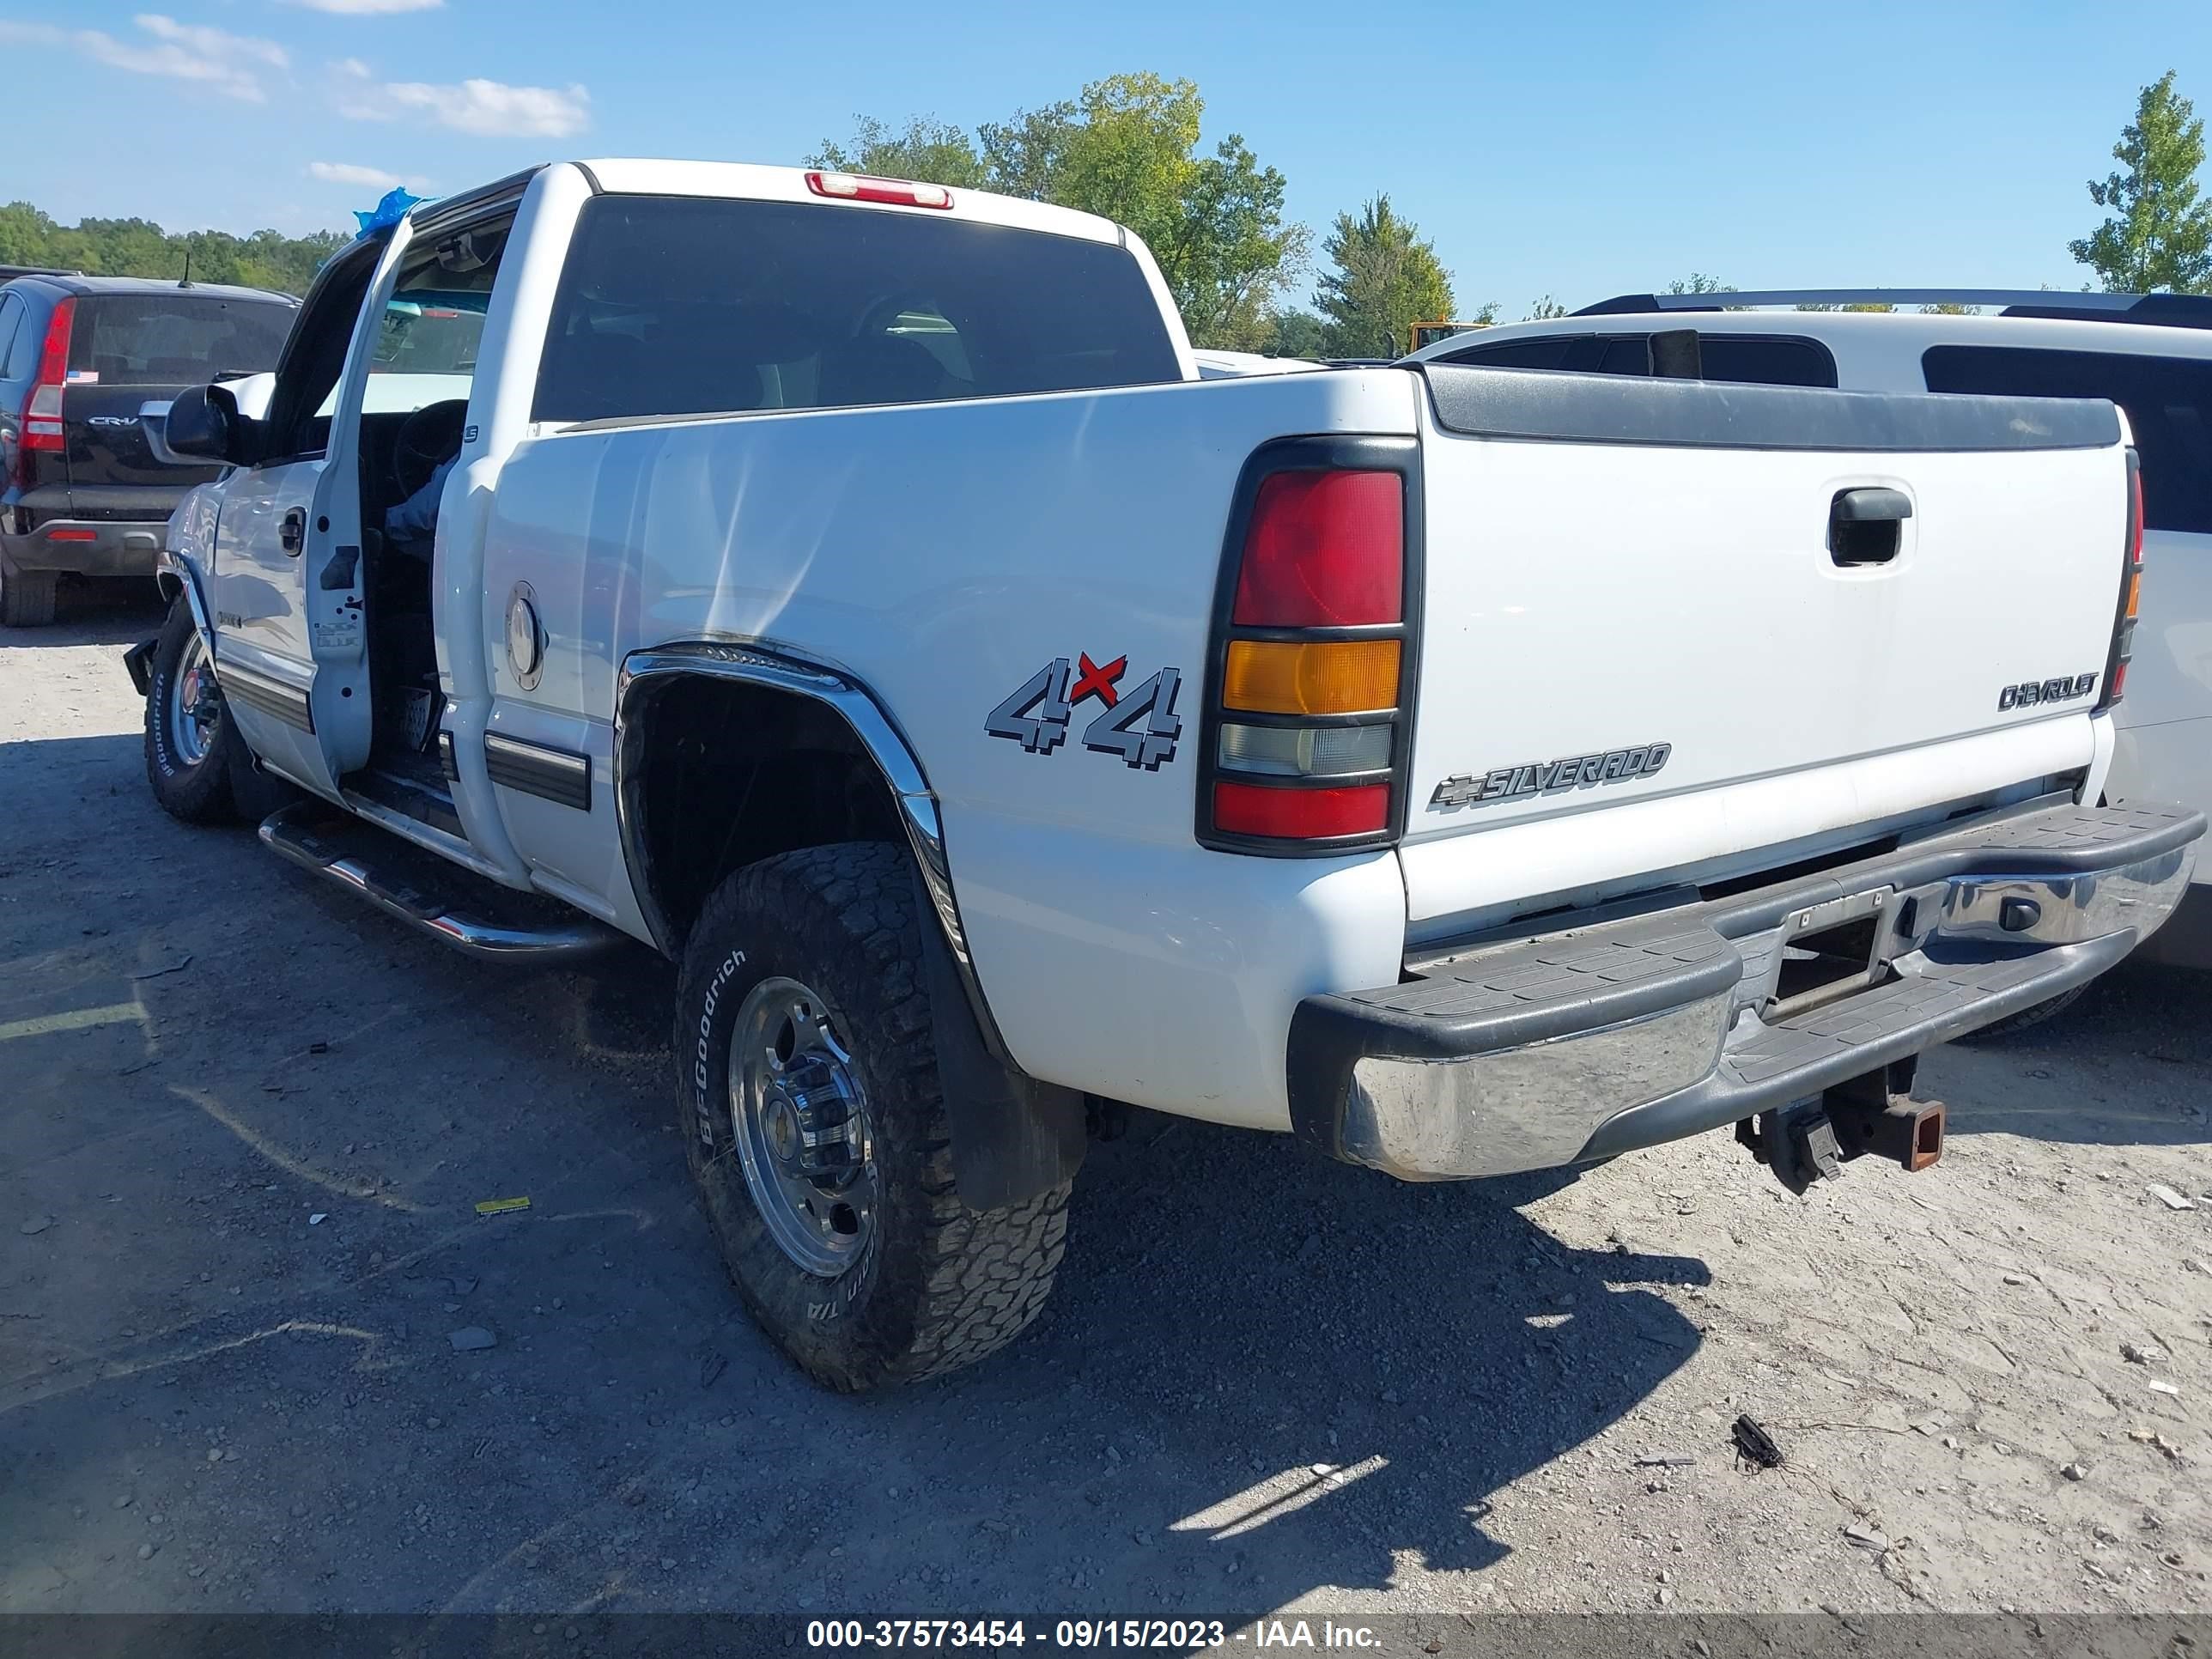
[244, 1124]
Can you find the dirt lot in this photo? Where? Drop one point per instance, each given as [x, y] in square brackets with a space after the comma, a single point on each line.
[244, 1124]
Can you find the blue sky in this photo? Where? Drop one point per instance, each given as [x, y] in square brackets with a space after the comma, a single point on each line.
[1634, 143]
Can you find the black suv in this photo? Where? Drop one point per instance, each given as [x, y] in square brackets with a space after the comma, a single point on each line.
[87, 367]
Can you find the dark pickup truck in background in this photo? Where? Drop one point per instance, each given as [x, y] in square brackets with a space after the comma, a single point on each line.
[88, 367]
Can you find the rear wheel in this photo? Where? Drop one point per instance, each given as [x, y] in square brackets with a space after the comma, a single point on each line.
[190, 743]
[814, 1120]
[26, 596]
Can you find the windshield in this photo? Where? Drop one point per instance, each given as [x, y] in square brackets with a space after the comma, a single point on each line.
[175, 338]
[427, 333]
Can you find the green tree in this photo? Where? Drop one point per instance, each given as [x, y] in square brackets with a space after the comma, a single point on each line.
[1386, 278]
[1022, 155]
[1698, 283]
[1295, 334]
[1545, 310]
[139, 247]
[2158, 235]
[1127, 148]
[926, 149]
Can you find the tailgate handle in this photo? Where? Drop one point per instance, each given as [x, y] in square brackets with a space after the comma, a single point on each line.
[1865, 525]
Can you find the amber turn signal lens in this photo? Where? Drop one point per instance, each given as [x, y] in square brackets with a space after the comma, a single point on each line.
[2135, 594]
[1326, 677]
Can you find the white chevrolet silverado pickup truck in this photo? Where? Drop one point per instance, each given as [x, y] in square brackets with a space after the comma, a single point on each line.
[850, 589]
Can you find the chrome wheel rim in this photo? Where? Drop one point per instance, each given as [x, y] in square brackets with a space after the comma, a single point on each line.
[194, 704]
[801, 1126]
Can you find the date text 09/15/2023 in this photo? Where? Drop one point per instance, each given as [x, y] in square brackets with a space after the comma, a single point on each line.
[1170, 1635]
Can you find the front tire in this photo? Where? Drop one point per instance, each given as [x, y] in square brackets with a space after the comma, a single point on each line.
[814, 1121]
[26, 596]
[192, 747]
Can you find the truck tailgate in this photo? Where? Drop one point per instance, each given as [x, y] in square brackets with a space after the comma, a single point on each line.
[1644, 581]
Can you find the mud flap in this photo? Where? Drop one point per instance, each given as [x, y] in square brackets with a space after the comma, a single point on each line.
[138, 663]
[1012, 1137]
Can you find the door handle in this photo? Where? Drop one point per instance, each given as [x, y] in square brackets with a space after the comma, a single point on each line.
[1866, 526]
[293, 532]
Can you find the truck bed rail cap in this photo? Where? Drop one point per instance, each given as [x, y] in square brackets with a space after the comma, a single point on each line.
[1546, 406]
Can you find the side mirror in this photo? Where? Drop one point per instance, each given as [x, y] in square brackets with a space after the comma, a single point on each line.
[202, 423]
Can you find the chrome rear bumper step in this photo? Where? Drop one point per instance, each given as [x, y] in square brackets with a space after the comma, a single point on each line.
[418, 888]
[1595, 1041]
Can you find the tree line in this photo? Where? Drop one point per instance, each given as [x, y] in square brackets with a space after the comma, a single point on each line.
[1128, 147]
[139, 247]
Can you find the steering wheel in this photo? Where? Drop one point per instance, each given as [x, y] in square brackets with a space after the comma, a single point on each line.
[426, 438]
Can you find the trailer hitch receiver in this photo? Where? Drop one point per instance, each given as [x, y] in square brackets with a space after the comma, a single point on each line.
[1811, 1140]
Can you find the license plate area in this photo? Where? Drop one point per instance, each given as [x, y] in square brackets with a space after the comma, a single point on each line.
[1832, 950]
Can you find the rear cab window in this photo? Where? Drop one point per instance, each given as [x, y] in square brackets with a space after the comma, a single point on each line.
[671, 305]
[173, 339]
[2168, 402]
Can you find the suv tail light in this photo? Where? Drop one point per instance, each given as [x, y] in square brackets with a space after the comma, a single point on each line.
[1310, 681]
[42, 414]
[2123, 621]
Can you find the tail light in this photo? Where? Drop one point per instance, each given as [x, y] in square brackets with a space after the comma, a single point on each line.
[42, 410]
[2123, 621]
[1307, 717]
[42, 414]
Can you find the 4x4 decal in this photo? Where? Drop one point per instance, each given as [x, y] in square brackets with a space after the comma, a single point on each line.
[1141, 726]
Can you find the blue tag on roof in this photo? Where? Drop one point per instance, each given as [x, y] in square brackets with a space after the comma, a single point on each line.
[389, 211]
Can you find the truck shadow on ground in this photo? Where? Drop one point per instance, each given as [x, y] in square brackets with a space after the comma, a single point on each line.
[1260, 1373]
[2053, 1082]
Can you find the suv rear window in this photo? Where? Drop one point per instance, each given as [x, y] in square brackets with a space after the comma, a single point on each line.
[683, 306]
[175, 339]
[1760, 359]
[2168, 401]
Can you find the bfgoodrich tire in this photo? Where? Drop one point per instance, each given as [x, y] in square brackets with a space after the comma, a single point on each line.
[814, 1121]
[192, 747]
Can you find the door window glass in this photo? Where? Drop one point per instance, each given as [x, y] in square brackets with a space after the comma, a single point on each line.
[11, 320]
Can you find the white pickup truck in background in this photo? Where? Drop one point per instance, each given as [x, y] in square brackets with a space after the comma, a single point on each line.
[849, 589]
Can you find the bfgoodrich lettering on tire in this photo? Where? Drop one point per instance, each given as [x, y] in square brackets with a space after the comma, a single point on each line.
[808, 1098]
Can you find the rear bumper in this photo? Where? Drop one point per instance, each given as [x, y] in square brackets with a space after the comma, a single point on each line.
[89, 547]
[1534, 1054]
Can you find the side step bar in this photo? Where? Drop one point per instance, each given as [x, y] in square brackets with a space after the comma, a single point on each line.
[423, 890]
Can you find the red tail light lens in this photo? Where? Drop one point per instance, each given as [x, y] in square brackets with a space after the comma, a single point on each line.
[1251, 809]
[1325, 550]
[42, 415]
[1308, 693]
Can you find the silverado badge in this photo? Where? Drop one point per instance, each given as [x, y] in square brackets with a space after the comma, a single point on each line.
[1551, 777]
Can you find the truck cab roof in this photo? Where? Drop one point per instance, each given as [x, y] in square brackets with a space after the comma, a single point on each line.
[641, 176]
